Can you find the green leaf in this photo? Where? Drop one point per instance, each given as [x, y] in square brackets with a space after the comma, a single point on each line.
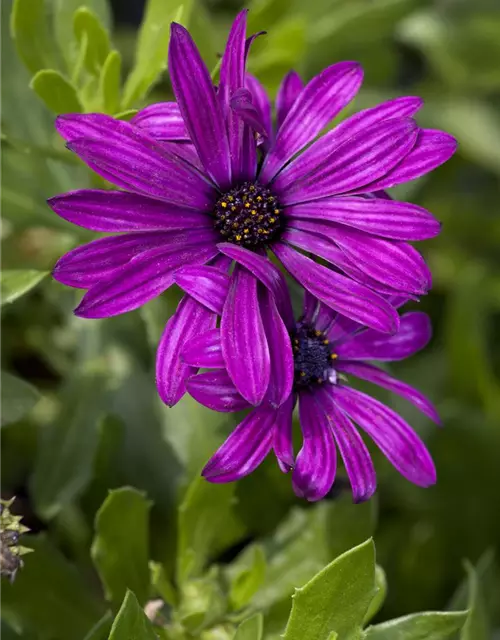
[380, 594]
[110, 82]
[202, 602]
[247, 582]
[161, 584]
[18, 398]
[418, 626]
[476, 626]
[131, 623]
[15, 283]
[87, 24]
[58, 94]
[204, 508]
[251, 628]
[120, 548]
[152, 46]
[28, 29]
[336, 599]
[100, 630]
[68, 609]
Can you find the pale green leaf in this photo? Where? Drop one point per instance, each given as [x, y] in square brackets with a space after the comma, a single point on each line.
[120, 547]
[87, 24]
[201, 602]
[14, 283]
[100, 630]
[110, 82]
[161, 584]
[131, 623]
[429, 625]
[250, 629]
[57, 93]
[247, 582]
[18, 398]
[336, 599]
[29, 31]
[380, 594]
[476, 626]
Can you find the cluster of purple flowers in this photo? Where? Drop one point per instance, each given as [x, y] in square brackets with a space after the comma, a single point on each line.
[209, 187]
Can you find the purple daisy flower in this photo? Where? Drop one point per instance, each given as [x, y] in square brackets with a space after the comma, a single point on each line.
[206, 178]
[328, 350]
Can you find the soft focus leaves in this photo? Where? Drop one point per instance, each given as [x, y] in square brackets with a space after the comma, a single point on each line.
[29, 31]
[58, 93]
[250, 629]
[109, 82]
[131, 623]
[15, 283]
[18, 398]
[476, 626]
[245, 583]
[86, 24]
[419, 626]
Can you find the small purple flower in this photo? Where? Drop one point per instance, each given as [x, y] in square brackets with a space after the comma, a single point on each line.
[328, 349]
[207, 178]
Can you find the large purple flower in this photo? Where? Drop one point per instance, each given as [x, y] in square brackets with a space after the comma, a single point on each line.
[328, 350]
[206, 178]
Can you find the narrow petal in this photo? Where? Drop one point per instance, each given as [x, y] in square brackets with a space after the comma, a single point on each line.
[209, 285]
[204, 350]
[317, 104]
[199, 106]
[143, 278]
[242, 104]
[113, 211]
[357, 162]
[393, 436]
[265, 271]
[413, 335]
[316, 464]
[280, 350]
[162, 121]
[244, 343]
[310, 306]
[380, 217]
[172, 372]
[261, 102]
[288, 92]
[282, 436]
[357, 460]
[74, 126]
[216, 391]
[382, 379]
[245, 448]
[338, 292]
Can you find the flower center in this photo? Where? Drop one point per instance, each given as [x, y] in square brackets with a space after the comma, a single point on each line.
[248, 215]
[313, 357]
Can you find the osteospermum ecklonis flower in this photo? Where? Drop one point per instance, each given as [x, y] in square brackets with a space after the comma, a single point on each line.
[208, 181]
[329, 351]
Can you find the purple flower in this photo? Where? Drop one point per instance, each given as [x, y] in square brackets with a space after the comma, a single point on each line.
[328, 349]
[206, 178]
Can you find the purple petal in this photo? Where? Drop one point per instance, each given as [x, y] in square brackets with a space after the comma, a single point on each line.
[280, 350]
[73, 126]
[245, 448]
[242, 104]
[232, 72]
[250, 40]
[265, 271]
[357, 460]
[199, 106]
[357, 162]
[215, 390]
[162, 120]
[244, 343]
[414, 333]
[394, 437]
[288, 92]
[310, 307]
[316, 463]
[325, 146]
[120, 211]
[338, 292]
[172, 372]
[380, 217]
[208, 285]
[317, 104]
[382, 379]
[143, 278]
[282, 436]
[261, 102]
[204, 350]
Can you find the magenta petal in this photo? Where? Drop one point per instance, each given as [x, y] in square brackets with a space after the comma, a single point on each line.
[338, 292]
[261, 102]
[414, 333]
[208, 285]
[394, 437]
[317, 104]
[204, 350]
[282, 437]
[383, 379]
[357, 460]
[288, 92]
[242, 105]
[316, 463]
[244, 342]
[74, 126]
[199, 106]
[172, 372]
[121, 211]
[244, 450]
[162, 121]
[215, 390]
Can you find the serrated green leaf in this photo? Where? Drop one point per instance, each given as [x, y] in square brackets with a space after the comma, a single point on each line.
[87, 24]
[120, 547]
[251, 628]
[29, 31]
[380, 594]
[247, 582]
[100, 630]
[476, 626]
[161, 584]
[201, 602]
[430, 625]
[58, 94]
[110, 82]
[14, 283]
[336, 599]
[18, 398]
[131, 623]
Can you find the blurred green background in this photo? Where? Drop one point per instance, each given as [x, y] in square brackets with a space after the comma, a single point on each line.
[79, 404]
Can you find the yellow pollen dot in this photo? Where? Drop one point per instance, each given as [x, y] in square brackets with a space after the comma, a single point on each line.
[317, 333]
[223, 204]
[223, 217]
[245, 230]
[247, 221]
[253, 212]
[247, 205]
[302, 374]
[333, 356]
[235, 225]
[259, 231]
[230, 198]
[252, 188]
[277, 212]
[271, 199]
[238, 237]
[260, 218]
[296, 341]
[233, 208]
[259, 198]
[272, 219]
[326, 341]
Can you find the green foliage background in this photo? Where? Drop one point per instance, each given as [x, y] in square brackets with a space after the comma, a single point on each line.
[80, 414]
